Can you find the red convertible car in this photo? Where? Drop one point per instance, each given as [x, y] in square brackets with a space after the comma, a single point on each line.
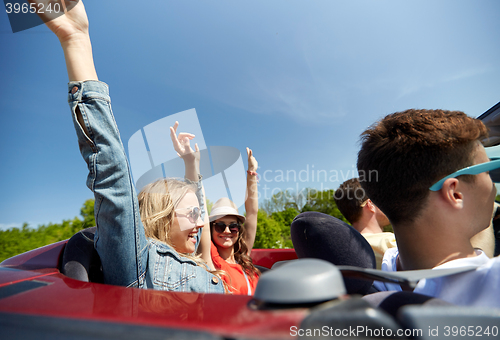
[301, 298]
[56, 292]
[38, 301]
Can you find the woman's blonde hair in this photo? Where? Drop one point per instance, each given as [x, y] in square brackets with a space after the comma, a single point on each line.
[157, 203]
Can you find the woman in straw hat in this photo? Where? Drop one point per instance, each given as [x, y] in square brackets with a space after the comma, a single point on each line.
[233, 236]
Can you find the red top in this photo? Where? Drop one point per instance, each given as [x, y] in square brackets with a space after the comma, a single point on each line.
[236, 281]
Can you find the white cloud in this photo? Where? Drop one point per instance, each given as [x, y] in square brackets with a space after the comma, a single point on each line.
[464, 74]
[420, 84]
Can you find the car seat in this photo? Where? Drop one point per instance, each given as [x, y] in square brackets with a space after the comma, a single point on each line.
[321, 236]
[80, 259]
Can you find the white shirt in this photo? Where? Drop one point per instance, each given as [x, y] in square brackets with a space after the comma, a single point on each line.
[388, 265]
[480, 287]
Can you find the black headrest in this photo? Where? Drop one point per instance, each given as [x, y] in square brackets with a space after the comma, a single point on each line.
[321, 236]
[80, 259]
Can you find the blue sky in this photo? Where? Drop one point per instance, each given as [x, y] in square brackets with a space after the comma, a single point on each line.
[296, 81]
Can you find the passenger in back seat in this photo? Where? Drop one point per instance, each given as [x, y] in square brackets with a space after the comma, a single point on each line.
[365, 217]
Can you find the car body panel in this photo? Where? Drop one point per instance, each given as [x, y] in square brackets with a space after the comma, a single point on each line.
[52, 294]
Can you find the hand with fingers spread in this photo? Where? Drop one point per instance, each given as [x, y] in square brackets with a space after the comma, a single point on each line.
[184, 150]
[182, 145]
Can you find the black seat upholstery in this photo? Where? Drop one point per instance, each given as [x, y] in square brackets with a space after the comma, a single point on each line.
[321, 236]
[392, 301]
[80, 259]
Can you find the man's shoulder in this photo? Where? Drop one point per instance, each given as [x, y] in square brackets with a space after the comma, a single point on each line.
[480, 260]
[385, 240]
[462, 288]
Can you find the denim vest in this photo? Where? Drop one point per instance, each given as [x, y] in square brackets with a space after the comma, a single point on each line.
[170, 271]
[128, 258]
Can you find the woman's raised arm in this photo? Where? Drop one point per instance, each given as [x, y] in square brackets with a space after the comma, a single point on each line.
[72, 30]
[120, 240]
[252, 201]
[191, 159]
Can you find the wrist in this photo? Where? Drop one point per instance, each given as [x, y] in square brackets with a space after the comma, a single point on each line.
[75, 40]
[188, 159]
[194, 179]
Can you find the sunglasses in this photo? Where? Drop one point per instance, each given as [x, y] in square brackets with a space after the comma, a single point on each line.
[220, 227]
[193, 215]
[472, 170]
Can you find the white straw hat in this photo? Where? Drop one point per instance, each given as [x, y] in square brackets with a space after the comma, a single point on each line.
[225, 207]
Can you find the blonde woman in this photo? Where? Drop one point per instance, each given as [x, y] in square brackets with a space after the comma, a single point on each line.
[157, 252]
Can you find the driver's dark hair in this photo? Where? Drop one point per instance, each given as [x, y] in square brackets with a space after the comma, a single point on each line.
[403, 154]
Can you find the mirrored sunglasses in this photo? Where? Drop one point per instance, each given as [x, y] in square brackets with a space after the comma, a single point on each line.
[220, 227]
[194, 213]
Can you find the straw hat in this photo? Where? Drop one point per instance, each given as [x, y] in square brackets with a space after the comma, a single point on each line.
[225, 207]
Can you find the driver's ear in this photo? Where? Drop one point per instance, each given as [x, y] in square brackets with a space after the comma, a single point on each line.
[451, 194]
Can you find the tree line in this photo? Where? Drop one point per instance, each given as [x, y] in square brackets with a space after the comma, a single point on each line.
[274, 219]
[277, 213]
[15, 241]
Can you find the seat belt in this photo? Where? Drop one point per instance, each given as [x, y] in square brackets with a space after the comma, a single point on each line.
[409, 278]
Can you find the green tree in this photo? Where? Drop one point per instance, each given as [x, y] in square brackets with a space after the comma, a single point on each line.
[283, 200]
[210, 204]
[281, 209]
[15, 241]
[323, 201]
[285, 219]
[268, 232]
[87, 212]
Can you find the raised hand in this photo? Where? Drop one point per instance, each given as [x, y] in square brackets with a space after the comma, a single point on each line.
[252, 162]
[73, 23]
[72, 29]
[251, 201]
[191, 157]
[182, 143]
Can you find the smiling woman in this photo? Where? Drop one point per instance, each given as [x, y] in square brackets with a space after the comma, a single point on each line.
[233, 236]
[158, 254]
[161, 204]
[230, 252]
